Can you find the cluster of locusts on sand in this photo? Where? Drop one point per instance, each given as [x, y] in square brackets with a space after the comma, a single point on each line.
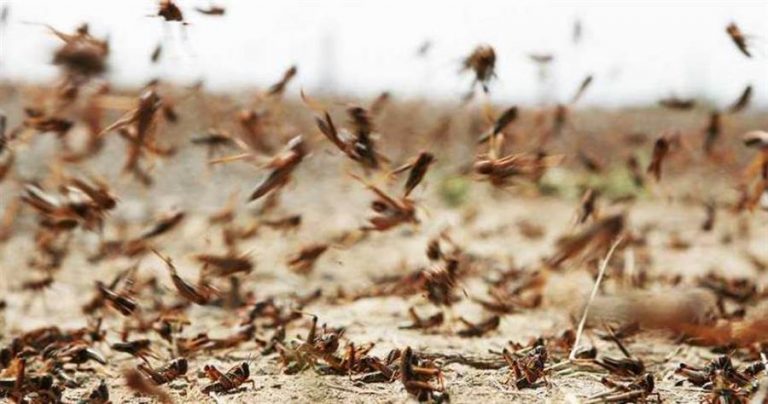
[83, 113]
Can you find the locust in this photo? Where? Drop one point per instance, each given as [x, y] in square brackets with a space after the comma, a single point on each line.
[712, 132]
[212, 10]
[140, 348]
[588, 206]
[596, 237]
[81, 54]
[676, 103]
[99, 394]
[390, 211]
[167, 222]
[241, 335]
[628, 366]
[742, 102]
[77, 353]
[139, 128]
[154, 57]
[582, 89]
[278, 88]
[136, 381]
[122, 303]
[738, 38]
[502, 122]
[419, 323]
[416, 375]
[359, 145]
[169, 11]
[441, 281]
[417, 170]
[201, 294]
[525, 372]
[214, 140]
[500, 171]
[304, 260]
[225, 265]
[226, 382]
[479, 329]
[290, 222]
[282, 166]
[380, 102]
[482, 62]
[167, 373]
[638, 389]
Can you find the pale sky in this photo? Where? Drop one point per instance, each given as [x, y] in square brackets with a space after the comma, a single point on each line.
[638, 51]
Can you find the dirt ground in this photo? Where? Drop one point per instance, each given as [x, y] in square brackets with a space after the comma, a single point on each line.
[488, 224]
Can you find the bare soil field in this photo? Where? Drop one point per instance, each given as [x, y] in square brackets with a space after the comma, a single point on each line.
[504, 264]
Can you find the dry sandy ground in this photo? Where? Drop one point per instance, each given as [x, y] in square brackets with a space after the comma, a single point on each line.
[485, 226]
[492, 235]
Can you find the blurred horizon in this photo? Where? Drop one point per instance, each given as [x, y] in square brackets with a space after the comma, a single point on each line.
[637, 52]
